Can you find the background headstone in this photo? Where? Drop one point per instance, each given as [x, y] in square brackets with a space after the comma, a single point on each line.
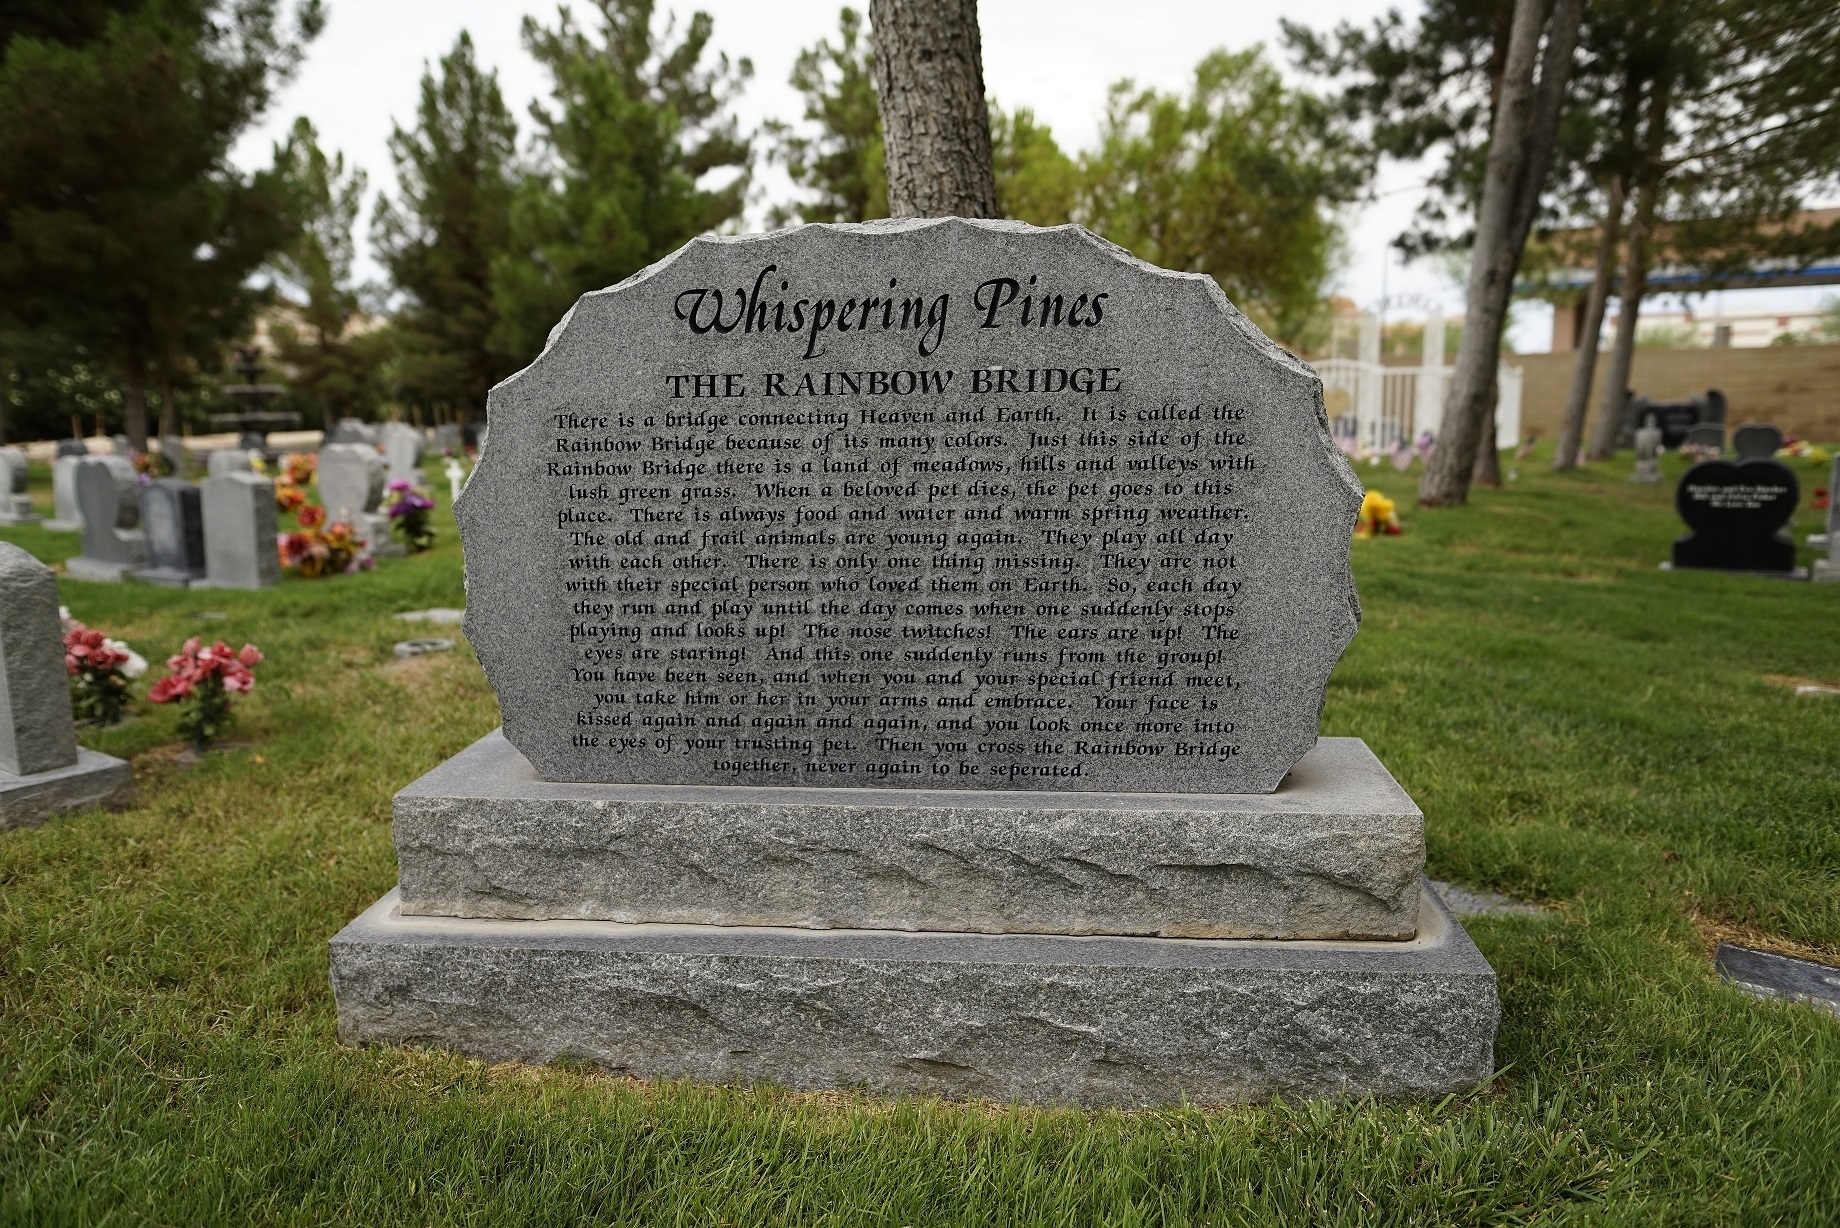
[229, 460]
[352, 430]
[173, 522]
[958, 544]
[67, 513]
[38, 733]
[402, 450]
[240, 525]
[1705, 435]
[109, 551]
[72, 447]
[1827, 570]
[447, 441]
[1648, 448]
[179, 457]
[1736, 509]
[351, 482]
[15, 503]
[1755, 441]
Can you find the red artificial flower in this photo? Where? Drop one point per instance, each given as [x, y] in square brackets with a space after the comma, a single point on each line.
[311, 515]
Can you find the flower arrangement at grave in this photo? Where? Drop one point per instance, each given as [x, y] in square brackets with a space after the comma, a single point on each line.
[201, 683]
[322, 549]
[409, 514]
[1800, 449]
[100, 670]
[1378, 517]
[298, 470]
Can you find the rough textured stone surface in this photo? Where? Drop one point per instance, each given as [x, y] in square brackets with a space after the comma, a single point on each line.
[351, 479]
[239, 531]
[95, 779]
[36, 730]
[812, 523]
[1336, 852]
[1025, 1018]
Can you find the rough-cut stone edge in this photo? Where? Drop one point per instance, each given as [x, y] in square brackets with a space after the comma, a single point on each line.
[1265, 347]
[1336, 853]
[1015, 1018]
[95, 779]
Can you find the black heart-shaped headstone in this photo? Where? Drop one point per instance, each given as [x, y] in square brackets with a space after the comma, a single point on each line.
[1735, 510]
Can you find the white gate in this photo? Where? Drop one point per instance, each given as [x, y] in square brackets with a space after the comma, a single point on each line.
[1379, 408]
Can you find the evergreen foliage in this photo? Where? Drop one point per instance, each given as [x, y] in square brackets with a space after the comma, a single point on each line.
[330, 368]
[618, 181]
[124, 228]
[438, 239]
[841, 162]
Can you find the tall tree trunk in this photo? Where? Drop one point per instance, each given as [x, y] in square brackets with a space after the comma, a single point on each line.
[169, 413]
[1487, 471]
[929, 81]
[1584, 374]
[1609, 426]
[6, 395]
[136, 415]
[1520, 148]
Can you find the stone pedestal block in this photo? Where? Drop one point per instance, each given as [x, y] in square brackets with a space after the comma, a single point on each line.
[1335, 852]
[95, 779]
[1021, 1018]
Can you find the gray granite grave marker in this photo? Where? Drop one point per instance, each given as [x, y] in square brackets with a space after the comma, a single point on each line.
[173, 522]
[15, 503]
[906, 633]
[240, 527]
[228, 460]
[351, 482]
[942, 505]
[109, 550]
[42, 770]
[1648, 452]
[67, 512]
[402, 450]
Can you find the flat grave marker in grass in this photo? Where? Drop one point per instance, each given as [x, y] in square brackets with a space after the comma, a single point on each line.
[911, 639]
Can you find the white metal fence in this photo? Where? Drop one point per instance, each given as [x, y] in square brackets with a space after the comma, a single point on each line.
[1381, 407]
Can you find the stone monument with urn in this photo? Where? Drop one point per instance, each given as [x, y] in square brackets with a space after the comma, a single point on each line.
[911, 640]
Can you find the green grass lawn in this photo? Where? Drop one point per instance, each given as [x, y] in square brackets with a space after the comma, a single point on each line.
[1581, 729]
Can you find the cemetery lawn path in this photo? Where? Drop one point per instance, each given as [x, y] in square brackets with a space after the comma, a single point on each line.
[1622, 745]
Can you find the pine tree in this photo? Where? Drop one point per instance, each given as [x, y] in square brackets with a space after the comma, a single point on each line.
[124, 228]
[439, 238]
[842, 162]
[637, 121]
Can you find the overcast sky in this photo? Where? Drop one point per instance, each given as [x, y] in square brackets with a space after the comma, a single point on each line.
[1056, 56]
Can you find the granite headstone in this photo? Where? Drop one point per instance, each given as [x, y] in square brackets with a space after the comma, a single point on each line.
[1648, 448]
[173, 521]
[15, 503]
[72, 447]
[351, 481]
[963, 591]
[402, 450]
[42, 770]
[1705, 435]
[1736, 509]
[447, 441]
[67, 514]
[240, 526]
[353, 430]
[229, 460]
[925, 506]
[109, 550]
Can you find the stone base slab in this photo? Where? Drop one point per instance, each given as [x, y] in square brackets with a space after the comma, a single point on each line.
[65, 526]
[1336, 852]
[1017, 1018]
[162, 577]
[95, 779]
[80, 567]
